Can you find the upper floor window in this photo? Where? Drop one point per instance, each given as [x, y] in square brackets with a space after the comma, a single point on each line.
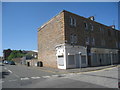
[117, 44]
[86, 26]
[91, 26]
[72, 21]
[93, 41]
[73, 38]
[103, 42]
[87, 41]
[100, 29]
[109, 32]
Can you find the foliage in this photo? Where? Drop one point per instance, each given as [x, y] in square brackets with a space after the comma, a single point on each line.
[16, 54]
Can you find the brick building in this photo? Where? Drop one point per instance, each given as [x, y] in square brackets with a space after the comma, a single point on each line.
[72, 41]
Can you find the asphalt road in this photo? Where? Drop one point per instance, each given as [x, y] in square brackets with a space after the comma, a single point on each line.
[27, 77]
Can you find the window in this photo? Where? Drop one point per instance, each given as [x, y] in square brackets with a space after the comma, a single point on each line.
[100, 29]
[72, 22]
[86, 26]
[87, 41]
[116, 44]
[93, 41]
[91, 27]
[61, 60]
[83, 59]
[119, 44]
[73, 38]
[71, 60]
[109, 32]
[103, 42]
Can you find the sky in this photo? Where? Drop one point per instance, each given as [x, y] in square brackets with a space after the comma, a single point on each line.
[20, 20]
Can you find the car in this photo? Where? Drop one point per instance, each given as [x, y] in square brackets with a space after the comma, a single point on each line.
[5, 62]
[11, 63]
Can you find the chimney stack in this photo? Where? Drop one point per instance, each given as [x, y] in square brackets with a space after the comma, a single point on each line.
[112, 26]
[91, 18]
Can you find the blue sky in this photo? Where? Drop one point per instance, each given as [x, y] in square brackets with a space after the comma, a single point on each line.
[20, 20]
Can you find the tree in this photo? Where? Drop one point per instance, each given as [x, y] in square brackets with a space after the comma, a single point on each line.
[15, 54]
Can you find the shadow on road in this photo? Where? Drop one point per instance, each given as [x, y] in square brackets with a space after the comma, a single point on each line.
[3, 74]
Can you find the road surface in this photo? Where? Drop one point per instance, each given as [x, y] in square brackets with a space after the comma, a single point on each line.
[18, 76]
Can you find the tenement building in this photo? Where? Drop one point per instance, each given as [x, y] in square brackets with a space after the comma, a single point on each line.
[72, 41]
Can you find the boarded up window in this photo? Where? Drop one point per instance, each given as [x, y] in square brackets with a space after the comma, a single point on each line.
[60, 60]
[71, 60]
[83, 59]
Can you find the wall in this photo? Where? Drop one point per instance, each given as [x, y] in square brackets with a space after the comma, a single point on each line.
[50, 35]
[100, 32]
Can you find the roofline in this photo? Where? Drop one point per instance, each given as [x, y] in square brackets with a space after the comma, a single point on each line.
[76, 15]
[90, 20]
[50, 20]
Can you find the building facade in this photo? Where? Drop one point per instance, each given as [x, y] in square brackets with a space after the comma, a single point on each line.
[72, 41]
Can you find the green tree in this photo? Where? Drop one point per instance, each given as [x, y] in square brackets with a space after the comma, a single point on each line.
[16, 54]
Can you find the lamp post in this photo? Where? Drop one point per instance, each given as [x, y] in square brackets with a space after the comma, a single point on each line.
[80, 59]
[111, 58]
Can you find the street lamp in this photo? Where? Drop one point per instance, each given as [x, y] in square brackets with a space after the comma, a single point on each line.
[111, 58]
[80, 59]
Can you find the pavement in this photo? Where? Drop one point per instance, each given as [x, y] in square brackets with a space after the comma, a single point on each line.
[76, 70]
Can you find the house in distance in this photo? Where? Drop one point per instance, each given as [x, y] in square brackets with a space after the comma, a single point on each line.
[72, 41]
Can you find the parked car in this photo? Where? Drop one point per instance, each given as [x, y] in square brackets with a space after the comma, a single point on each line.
[5, 62]
[11, 63]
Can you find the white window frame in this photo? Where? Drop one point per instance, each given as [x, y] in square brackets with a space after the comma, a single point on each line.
[91, 26]
[86, 25]
[73, 39]
[87, 40]
[72, 21]
[93, 41]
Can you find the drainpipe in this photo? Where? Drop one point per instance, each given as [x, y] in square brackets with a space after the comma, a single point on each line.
[80, 59]
[111, 58]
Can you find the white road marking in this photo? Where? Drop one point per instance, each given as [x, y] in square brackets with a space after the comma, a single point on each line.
[55, 75]
[25, 78]
[10, 71]
[35, 77]
[46, 76]
[1, 81]
[63, 74]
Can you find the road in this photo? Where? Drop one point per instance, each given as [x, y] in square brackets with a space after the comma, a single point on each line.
[17, 76]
